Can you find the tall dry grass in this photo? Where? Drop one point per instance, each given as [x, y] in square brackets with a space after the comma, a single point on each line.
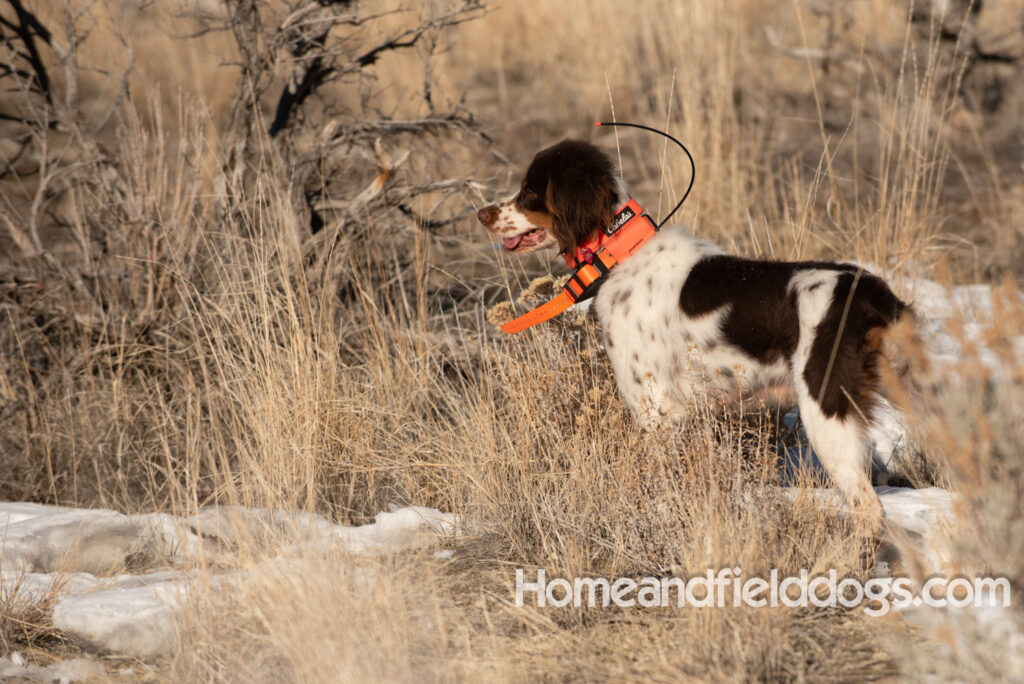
[204, 359]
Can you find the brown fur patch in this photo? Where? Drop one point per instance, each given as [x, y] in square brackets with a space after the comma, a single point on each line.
[575, 183]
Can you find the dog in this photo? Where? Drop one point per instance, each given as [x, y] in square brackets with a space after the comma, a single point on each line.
[682, 316]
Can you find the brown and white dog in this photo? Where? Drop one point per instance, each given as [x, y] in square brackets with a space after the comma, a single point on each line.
[682, 317]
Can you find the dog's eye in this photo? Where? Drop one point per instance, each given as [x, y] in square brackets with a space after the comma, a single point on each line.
[525, 198]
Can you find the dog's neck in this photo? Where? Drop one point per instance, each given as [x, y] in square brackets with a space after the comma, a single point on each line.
[604, 237]
[585, 251]
[630, 229]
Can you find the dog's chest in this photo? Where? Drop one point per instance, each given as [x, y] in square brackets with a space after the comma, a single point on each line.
[640, 301]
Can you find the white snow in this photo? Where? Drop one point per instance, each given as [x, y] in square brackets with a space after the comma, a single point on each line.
[950, 317]
[402, 528]
[14, 512]
[46, 538]
[135, 616]
[74, 670]
[917, 510]
[959, 629]
[922, 519]
[71, 553]
[923, 512]
[237, 524]
[33, 587]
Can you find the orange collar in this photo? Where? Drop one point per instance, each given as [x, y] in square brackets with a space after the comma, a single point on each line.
[592, 261]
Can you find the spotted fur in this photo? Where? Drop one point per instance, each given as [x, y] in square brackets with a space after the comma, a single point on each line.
[683, 318]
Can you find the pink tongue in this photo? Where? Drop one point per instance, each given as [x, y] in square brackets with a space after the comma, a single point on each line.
[513, 242]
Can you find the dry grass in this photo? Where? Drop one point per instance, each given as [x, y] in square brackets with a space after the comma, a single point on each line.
[184, 354]
[27, 621]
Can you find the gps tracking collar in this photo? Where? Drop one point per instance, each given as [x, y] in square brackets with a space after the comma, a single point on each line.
[629, 230]
[592, 261]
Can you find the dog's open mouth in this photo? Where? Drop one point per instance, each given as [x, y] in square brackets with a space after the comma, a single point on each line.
[530, 238]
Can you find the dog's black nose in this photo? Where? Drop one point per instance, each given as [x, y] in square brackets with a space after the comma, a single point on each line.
[486, 215]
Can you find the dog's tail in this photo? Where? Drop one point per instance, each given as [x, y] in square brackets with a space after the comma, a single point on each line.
[901, 358]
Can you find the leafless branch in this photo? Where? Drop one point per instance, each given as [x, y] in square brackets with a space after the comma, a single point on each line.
[26, 30]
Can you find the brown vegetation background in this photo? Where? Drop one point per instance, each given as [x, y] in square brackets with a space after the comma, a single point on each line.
[239, 265]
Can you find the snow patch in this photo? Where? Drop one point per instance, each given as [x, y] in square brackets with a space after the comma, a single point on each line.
[136, 616]
[925, 516]
[952, 318]
[918, 510]
[74, 670]
[72, 552]
[402, 528]
[39, 538]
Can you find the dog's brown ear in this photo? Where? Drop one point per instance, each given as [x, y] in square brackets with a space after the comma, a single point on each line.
[581, 203]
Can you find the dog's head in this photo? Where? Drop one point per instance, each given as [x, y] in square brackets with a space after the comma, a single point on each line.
[570, 190]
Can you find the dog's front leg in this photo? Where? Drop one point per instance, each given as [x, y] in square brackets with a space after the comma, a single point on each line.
[645, 396]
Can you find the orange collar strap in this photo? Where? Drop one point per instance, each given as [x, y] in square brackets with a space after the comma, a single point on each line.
[612, 245]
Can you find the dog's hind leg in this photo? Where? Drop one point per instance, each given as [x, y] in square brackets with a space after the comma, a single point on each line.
[835, 374]
[842, 449]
